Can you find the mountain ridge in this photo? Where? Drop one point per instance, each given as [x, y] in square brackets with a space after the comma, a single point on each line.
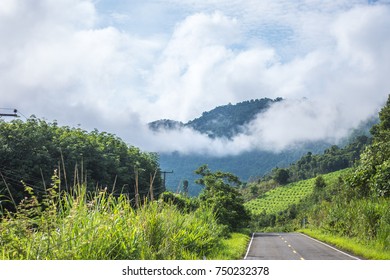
[223, 121]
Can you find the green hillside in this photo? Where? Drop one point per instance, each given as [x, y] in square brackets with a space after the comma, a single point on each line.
[283, 197]
[279, 199]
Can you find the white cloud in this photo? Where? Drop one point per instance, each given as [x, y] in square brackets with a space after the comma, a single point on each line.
[61, 60]
[201, 68]
[57, 64]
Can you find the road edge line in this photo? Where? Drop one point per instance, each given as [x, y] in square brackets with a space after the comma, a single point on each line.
[323, 243]
[249, 246]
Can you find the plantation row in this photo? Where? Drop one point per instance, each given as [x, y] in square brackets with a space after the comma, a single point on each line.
[280, 198]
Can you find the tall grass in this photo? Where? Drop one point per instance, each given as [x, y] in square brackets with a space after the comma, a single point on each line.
[350, 244]
[365, 221]
[101, 226]
[232, 248]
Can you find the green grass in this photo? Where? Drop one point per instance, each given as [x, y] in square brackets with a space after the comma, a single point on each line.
[348, 244]
[104, 227]
[233, 248]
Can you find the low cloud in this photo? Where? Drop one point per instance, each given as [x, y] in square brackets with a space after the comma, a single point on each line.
[61, 60]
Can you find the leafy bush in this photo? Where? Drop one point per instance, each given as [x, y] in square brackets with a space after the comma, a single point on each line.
[183, 203]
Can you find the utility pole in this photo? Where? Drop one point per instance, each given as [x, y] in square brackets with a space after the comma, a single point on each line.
[10, 114]
[164, 176]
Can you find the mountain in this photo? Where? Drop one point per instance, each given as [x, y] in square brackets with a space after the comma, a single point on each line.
[225, 122]
[222, 121]
[228, 120]
[165, 125]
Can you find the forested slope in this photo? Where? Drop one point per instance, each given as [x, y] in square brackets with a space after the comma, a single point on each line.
[31, 151]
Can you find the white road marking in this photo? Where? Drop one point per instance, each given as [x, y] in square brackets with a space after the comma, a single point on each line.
[292, 248]
[249, 246]
[327, 245]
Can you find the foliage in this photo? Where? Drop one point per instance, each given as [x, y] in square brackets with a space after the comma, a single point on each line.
[332, 159]
[224, 200]
[183, 203]
[232, 248]
[372, 176]
[319, 183]
[31, 150]
[102, 226]
[281, 176]
[349, 244]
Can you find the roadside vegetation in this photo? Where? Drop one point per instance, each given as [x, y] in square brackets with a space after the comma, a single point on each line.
[81, 225]
[349, 208]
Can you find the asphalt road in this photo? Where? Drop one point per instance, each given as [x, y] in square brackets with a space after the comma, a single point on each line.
[291, 246]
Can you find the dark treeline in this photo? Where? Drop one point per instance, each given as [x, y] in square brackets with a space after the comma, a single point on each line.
[311, 165]
[31, 151]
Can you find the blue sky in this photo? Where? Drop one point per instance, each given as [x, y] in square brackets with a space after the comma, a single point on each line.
[116, 65]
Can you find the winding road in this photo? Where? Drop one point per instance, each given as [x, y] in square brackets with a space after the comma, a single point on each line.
[291, 246]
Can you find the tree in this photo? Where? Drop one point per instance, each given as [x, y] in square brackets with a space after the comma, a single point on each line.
[383, 127]
[372, 175]
[319, 183]
[220, 194]
[319, 189]
[281, 176]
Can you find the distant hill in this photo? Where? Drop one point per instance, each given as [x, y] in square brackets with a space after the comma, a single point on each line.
[225, 122]
[228, 120]
[222, 121]
[165, 125]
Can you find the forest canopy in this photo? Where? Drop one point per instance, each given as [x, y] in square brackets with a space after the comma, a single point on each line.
[31, 151]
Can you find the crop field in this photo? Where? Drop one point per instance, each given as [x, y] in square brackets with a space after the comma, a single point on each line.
[282, 197]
